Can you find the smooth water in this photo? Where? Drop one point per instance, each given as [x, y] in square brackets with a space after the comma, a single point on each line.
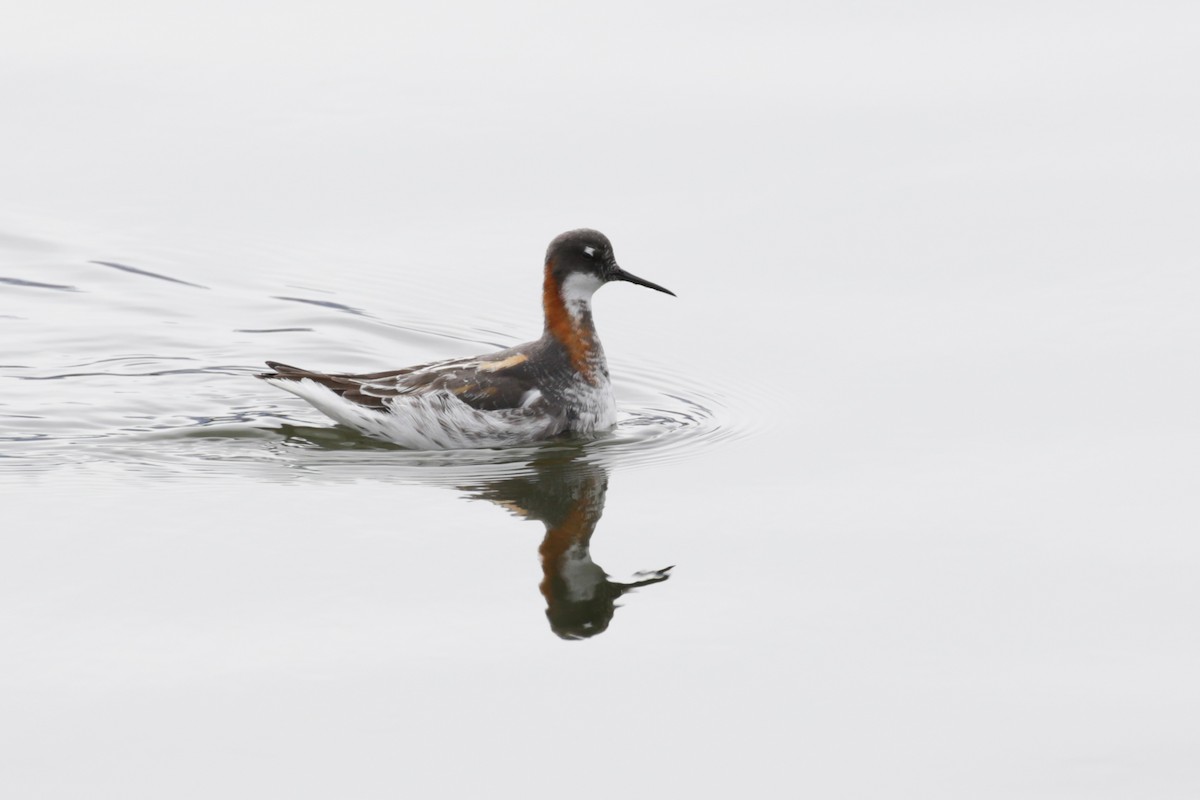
[902, 501]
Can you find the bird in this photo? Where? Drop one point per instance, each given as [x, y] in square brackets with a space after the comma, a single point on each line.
[556, 386]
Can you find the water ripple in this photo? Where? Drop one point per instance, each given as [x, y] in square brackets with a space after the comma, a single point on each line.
[146, 273]
[120, 405]
[323, 304]
[37, 284]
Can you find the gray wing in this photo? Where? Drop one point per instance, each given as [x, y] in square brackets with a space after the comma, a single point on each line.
[489, 383]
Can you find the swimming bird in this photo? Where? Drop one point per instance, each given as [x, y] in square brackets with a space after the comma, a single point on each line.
[555, 386]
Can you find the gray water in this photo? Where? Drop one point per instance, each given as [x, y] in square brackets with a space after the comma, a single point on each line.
[902, 501]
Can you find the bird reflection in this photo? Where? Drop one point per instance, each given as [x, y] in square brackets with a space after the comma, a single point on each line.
[566, 494]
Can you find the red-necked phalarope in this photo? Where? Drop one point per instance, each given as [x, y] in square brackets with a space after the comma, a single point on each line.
[556, 385]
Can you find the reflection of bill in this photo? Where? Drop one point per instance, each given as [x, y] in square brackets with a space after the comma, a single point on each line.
[567, 495]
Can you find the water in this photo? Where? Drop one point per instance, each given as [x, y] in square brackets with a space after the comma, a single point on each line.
[902, 499]
[167, 408]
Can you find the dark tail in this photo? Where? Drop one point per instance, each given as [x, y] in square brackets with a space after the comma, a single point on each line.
[285, 371]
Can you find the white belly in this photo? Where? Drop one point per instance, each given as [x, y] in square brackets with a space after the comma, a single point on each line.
[439, 421]
[593, 407]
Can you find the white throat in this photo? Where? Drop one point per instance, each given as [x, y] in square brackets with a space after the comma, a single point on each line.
[577, 291]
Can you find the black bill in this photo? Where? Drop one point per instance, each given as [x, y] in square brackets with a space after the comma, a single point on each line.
[621, 275]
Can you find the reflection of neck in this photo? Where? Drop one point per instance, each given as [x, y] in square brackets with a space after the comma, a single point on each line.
[567, 565]
[568, 307]
[567, 542]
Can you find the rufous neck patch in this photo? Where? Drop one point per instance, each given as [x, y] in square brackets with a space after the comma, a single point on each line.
[579, 339]
[575, 529]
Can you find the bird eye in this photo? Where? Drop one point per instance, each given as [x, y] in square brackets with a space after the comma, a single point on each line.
[589, 251]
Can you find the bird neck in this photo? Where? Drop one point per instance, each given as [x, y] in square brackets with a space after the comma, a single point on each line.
[568, 307]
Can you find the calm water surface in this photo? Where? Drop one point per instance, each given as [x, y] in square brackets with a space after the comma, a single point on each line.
[902, 502]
